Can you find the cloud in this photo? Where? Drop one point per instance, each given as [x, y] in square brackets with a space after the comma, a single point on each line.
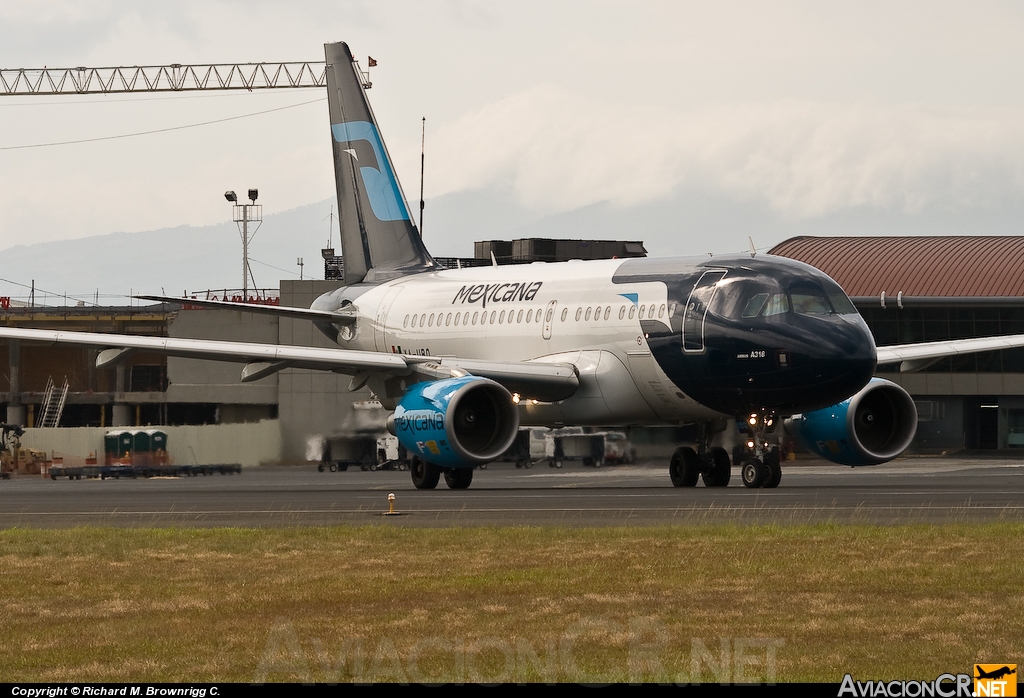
[562, 150]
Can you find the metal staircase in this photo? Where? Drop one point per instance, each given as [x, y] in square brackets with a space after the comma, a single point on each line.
[53, 403]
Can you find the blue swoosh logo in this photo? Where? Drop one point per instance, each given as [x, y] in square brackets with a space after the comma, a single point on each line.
[381, 185]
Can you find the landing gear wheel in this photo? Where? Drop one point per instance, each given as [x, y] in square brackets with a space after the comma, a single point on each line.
[771, 462]
[754, 473]
[684, 467]
[424, 475]
[719, 470]
[458, 478]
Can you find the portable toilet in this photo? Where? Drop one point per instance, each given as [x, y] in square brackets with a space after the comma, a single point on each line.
[158, 446]
[143, 453]
[125, 444]
[111, 447]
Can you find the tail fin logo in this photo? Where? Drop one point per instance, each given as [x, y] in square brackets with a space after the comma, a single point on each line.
[364, 145]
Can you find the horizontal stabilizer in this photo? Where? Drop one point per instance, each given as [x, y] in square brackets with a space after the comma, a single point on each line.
[345, 316]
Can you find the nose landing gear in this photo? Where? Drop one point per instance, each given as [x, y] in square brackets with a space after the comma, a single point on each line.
[761, 466]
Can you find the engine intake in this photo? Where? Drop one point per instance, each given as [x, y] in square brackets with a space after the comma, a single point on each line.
[456, 422]
[874, 426]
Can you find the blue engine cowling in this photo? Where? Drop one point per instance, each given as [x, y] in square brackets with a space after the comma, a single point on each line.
[874, 426]
[456, 422]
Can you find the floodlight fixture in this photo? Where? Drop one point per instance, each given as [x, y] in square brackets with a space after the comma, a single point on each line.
[244, 214]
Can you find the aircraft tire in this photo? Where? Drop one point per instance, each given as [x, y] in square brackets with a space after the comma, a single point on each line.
[771, 462]
[458, 478]
[684, 467]
[425, 475]
[754, 473]
[719, 470]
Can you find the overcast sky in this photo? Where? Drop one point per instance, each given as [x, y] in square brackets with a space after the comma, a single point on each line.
[803, 109]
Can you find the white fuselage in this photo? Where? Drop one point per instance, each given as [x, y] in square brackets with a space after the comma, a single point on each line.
[562, 312]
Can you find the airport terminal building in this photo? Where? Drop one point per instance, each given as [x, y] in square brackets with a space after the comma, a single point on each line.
[931, 288]
[909, 289]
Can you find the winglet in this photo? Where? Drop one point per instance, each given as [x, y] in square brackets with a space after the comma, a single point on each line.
[378, 238]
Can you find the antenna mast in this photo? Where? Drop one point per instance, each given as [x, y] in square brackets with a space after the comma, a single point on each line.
[423, 144]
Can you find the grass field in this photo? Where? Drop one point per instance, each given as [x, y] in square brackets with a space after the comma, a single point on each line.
[680, 604]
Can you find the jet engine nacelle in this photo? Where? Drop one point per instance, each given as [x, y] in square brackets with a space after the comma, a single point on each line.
[456, 422]
[874, 426]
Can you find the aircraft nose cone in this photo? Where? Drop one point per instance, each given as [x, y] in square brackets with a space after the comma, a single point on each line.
[836, 360]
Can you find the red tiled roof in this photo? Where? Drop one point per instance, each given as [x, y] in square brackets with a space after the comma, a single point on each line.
[961, 265]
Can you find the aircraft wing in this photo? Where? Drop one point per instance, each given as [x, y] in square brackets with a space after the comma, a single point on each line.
[547, 382]
[340, 317]
[913, 357]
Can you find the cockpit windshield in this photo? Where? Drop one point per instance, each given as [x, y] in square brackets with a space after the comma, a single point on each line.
[753, 298]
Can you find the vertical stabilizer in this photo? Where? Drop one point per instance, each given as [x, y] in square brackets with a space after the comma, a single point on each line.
[378, 238]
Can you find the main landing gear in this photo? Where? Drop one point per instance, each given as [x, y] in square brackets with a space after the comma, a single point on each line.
[426, 475]
[760, 466]
[713, 467]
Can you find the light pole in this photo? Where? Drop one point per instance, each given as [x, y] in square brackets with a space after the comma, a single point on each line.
[243, 215]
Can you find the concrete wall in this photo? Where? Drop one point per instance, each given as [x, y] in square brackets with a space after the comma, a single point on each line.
[313, 404]
[247, 444]
[193, 380]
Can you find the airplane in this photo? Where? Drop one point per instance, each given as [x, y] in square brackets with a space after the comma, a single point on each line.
[463, 357]
[995, 674]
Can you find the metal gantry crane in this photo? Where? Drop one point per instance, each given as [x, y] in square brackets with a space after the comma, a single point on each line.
[175, 77]
[163, 78]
